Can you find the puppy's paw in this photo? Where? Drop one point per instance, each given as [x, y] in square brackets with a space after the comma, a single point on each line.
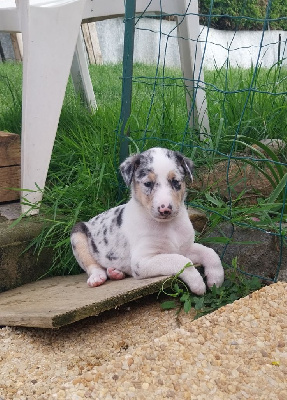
[115, 274]
[194, 281]
[215, 276]
[198, 288]
[97, 278]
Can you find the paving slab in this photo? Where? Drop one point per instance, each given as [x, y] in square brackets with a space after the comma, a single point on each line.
[62, 300]
[10, 211]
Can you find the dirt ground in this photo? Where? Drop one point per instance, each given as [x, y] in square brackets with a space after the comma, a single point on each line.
[141, 352]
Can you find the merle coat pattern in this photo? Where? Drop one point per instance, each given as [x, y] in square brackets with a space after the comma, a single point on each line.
[151, 235]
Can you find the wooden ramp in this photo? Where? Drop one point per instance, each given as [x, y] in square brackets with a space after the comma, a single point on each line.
[58, 301]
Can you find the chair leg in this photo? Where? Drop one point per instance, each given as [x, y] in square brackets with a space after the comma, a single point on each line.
[81, 76]
[191, 64]
[49, 39]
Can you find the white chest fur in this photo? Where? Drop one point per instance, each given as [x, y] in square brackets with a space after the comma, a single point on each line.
[156, 237]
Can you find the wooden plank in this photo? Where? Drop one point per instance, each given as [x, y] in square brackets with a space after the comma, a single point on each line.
[10, 149]
[95, 43]
[17, 44]
[10, 169]
[88, 42]
[62, 300]
[20, 43]
[9, 178]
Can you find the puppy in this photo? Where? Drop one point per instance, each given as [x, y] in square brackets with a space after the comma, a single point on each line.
[151, 235]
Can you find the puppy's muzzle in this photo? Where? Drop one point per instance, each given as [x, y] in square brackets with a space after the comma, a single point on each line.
[164, 211]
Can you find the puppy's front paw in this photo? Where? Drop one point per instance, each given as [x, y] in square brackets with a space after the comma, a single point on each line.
[194, 281]
[198, 288]
[97, 278]
[215, 276]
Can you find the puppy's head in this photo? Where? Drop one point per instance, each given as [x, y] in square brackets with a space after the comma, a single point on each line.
[157, 178]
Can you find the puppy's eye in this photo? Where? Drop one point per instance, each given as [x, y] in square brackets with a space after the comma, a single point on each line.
[149, 184]
[175, 184]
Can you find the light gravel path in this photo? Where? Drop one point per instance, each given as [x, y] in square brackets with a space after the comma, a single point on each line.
[140, 352]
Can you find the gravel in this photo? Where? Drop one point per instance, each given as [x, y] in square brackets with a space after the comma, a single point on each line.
[140, 352]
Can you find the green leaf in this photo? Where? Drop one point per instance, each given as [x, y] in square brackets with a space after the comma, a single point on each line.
[168, 305]
[214, 290]
[214, 200]
[254, 283]
[277, 191]
[176, 288]
[218, 239]
[199, 303]
[233, 297]
[276, 168]
[187, 306]
[185, 297]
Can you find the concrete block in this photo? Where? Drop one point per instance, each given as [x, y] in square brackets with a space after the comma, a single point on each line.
[18, 266]
[258, 253]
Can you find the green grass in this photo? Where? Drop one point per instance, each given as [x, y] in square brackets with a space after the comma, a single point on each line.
[251, 102]
[82, 179]
[258, 113]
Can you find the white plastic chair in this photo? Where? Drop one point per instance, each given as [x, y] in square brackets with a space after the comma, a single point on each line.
[50, 29]
[50, 33]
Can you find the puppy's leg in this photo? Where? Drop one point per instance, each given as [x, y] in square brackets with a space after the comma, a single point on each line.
[169, 264]
[97, 274]
[115, 274]
[207, 257]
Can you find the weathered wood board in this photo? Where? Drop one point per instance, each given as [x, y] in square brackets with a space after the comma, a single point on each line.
[10, 149]
[17, 43]
[92, 43]
[9, 178]
[59, 301]
[10, 166]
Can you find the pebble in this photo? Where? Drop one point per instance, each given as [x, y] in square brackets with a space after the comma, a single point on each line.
[145, 385]
[88, 376]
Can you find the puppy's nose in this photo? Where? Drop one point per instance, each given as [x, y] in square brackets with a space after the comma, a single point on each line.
[165, 210]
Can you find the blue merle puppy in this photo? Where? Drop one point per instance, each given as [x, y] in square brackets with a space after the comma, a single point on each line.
[151, 235]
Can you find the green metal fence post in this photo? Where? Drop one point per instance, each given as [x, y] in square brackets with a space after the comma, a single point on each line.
[127, 76]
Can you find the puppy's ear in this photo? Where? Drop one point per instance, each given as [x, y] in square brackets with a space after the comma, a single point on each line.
[186, 164]
[128, 168]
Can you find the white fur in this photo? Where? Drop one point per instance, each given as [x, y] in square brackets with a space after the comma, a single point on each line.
[136, 239]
